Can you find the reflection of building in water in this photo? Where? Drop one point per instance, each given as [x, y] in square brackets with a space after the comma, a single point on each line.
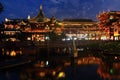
[11, 52]
[109, 71]
[89, 60]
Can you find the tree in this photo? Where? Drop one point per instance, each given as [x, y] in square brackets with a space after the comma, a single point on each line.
[1, 7]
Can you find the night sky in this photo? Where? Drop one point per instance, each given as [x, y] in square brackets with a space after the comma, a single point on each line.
[15, 9]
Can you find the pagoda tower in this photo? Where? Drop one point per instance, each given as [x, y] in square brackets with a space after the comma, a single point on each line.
[40, 17]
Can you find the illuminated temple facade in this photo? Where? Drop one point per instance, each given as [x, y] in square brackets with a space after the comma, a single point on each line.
[39, 28]
[81, 29]
[109, 23]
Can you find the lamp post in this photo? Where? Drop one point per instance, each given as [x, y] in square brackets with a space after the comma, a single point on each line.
[75, 54]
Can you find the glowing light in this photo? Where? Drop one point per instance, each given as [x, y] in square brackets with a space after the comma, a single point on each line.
[61, 75]
[111, 71]
[13, 39]
[7, 53]
[60, 24]
[47, 62]
[111, 17]
[75, 38]
[42, 74]
[54, 73]
[63, 39]
[28, 38]
[6, 19]
[116, 57]
[28, 17]
[47, 38]
[20, 52]
[116, 34]
[13, 53]
[3, 51]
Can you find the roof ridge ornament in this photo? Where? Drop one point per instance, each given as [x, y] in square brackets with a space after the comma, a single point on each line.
[41, 7]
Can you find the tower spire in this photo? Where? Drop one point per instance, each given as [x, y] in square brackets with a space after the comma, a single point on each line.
[41, 7]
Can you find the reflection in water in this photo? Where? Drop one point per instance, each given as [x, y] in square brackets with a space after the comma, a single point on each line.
[9, 75]
[87, 68]
[110, 69]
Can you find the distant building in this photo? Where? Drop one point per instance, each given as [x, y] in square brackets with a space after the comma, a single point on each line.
[81, 29]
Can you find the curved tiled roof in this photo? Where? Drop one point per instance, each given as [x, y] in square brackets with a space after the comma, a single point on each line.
[40, 17]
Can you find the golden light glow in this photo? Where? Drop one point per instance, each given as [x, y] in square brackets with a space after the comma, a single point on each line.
[7, 53]
[13, 53]
[2, 51]
[116, 34]
[61, 75]
[54, 73]
[42, 74]
[28, 38]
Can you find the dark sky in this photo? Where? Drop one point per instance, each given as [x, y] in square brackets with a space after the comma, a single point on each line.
[60, 8]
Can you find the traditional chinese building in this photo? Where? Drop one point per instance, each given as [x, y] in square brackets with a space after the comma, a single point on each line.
[109, 23]
[34, 29]
[41, 28]
[81, 29]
